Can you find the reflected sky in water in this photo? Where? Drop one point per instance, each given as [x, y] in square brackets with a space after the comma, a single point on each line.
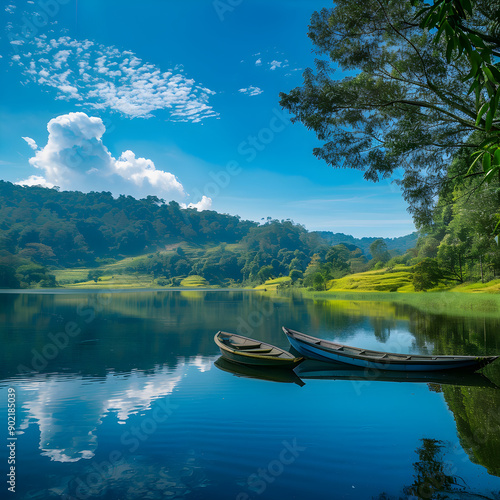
[132, 405]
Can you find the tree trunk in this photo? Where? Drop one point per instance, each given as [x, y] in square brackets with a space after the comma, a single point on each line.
[481, 264]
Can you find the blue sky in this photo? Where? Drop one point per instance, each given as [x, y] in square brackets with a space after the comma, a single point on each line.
[179, 99]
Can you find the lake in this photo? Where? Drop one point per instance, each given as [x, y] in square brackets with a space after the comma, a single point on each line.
[121, 395]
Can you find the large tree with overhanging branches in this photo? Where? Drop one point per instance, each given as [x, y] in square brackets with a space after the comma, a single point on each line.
[408, 101]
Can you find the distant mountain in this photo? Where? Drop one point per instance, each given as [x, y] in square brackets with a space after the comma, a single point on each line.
[401, 244]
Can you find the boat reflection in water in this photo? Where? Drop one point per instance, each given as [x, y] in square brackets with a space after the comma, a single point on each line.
[273, 374]
[313, 369]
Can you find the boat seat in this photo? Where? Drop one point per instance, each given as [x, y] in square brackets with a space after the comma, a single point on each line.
[258, 350]
[238, 345]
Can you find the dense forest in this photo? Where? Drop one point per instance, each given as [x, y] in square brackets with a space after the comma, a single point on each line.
[44, 229]
[461, 242]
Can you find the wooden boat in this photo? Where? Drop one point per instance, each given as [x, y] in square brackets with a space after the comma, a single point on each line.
[325, 350]
[246, 351]
[320, 370]
[272, 374]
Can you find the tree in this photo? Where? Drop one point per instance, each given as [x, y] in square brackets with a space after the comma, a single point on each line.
[451, 18]
[265, 273]
[378, 250]
[426, 275]
[94, 275]
[403, 106]
[295, 274]
[8, 277]
[451, 257]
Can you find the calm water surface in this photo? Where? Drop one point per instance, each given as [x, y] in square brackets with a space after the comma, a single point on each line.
[121, 396]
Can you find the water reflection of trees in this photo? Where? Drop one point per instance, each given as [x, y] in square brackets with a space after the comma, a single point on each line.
[477, 416]
[434, 478]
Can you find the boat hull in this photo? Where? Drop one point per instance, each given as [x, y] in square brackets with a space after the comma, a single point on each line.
[242, 359]
[250, 352]
[310, 350]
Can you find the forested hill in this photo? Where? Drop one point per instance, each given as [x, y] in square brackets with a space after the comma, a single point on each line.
[400, 244]
[43, 229]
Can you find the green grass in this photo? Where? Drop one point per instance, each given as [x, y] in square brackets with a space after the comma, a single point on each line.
[194, 281]
[117, 281]
[395, 280]
[273, 283]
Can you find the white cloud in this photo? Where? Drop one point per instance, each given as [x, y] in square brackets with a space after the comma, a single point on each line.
[75, 158]
[204, 204]
[31, 143]
[251, 91]
[275, 64]
[258, 62]
[10, 9]
[105, 77]
[35, 180]
[141, 171]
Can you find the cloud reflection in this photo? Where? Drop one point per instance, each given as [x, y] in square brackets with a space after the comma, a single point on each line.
[69, 409]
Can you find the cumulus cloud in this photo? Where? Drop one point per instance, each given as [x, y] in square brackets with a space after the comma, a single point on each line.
[31, 143]
[105, 77]
[35, 180]
[251, 91]
[258, 62]
[141, 171]
[204, 204]
[75, 158]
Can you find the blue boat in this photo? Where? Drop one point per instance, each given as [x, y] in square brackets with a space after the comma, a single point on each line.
[325, 350]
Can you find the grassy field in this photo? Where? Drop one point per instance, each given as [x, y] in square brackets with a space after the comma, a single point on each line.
[397, 279]
[194, 281]
[273, 283]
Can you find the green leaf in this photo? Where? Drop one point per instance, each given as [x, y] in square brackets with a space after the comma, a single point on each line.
[476, 40]
[496, 157]
[474, 162]
[473, 86]
[483, 109]
[495, 72]
[486, 142]
[489, 74]
[490, 173]
[467, 6]
[486, 162]
[440, 30]
[488, 121]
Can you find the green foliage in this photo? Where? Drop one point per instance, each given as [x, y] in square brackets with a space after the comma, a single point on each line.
[94, 275]
[378, 250]
[462, 234]
[452, 19]
[426, 275]
[403, 105]
[265, 273]
[295, 274]
[8, 277]
[71, 228]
